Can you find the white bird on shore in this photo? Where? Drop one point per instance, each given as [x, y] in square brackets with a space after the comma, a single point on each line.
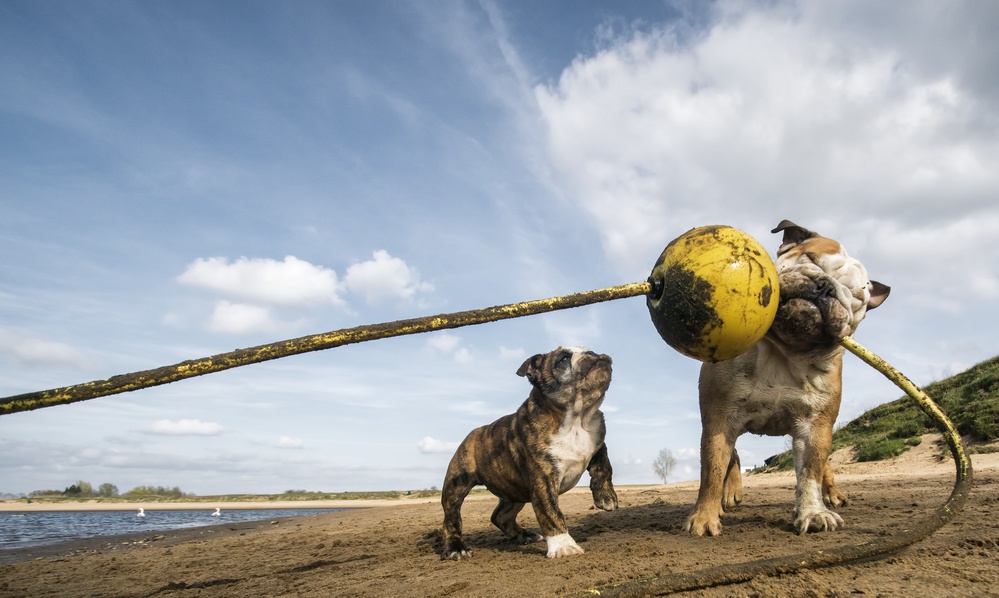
[141, 513]
[217, 513]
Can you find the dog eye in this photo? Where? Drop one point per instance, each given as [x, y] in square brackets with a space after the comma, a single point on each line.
[563, 360]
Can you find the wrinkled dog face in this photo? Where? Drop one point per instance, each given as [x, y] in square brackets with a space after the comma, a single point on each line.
[573, 377]
[824, 293]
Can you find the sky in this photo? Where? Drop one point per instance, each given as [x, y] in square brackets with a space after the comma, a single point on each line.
[181, 179]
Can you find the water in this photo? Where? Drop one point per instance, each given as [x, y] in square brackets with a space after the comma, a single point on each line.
[39, 528]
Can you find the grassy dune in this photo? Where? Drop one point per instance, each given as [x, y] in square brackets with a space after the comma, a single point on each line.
[970, 399]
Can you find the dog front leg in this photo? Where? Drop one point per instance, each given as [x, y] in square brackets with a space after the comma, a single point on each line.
[811, 456]
[604, 496]
[716, 457]
[544, 499]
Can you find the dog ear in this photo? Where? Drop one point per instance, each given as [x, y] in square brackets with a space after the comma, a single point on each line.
[793, 233]
[879, 292]
[531, 368]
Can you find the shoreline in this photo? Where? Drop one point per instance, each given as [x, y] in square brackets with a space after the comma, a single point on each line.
[21, 506]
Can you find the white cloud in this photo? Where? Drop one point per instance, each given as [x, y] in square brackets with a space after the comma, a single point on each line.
[384, 277]
[463, 356]
[291, 282]
[686, 453]
[578, 328]
[443, 342]
[173, 320]
[941, 250]
[240, 318]
[449, 344]
[286, 442]
[654, 135]
[184, 427]
[630, 459]
[430, 445]
[475, 408]
[29, 350]
[517, 354]
[252, 288]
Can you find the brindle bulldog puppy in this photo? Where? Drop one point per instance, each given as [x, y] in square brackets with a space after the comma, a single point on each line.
[790, 382]
[536, 454]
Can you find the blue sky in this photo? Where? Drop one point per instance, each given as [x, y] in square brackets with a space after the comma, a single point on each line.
[182, 179]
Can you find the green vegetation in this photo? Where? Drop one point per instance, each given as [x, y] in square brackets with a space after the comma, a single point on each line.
[108, 492]
[372, 495]
[80, 489]
[970, 399]
[147, 492]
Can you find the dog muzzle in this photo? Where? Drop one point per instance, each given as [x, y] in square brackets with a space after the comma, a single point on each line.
[813, 311]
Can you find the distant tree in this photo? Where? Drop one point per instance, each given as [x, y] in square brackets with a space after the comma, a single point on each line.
[85, 488]
[73, 491]
[664, 464]
[107, 490]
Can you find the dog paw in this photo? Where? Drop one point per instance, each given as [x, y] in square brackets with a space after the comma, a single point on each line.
[562, 545]
[605, 500]
[819, 521]
[700, 523]
[526, 537]
[732, 490]
[455, 551]
[731, 499]
[832, 497]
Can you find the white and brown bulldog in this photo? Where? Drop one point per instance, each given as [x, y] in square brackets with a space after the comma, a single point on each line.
[537, 453]
[790, 382]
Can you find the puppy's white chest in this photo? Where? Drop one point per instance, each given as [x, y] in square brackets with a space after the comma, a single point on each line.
[572, 448]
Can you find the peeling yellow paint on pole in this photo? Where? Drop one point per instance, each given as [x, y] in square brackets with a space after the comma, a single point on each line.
[306, 344]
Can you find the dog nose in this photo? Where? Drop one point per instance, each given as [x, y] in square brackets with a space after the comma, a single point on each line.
[825, 288]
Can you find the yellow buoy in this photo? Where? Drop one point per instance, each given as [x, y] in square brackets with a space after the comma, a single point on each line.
[714, 293]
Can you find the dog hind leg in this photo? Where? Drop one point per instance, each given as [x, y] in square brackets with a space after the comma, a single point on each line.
[505, 518]
[831, 494]
[457, 485]
[732, 489]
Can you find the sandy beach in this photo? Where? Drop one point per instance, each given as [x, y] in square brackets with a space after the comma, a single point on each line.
[393, 551]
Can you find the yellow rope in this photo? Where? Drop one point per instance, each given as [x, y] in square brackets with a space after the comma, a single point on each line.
[669, 583]
[306, 344]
